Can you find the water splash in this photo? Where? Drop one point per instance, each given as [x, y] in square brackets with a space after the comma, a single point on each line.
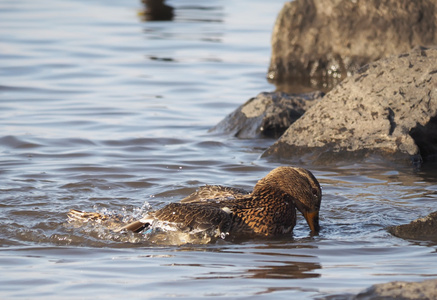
[106, 228]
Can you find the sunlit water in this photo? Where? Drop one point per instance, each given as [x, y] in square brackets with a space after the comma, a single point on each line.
[101, 111]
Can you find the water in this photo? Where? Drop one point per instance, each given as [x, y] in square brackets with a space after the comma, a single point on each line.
[102, 111]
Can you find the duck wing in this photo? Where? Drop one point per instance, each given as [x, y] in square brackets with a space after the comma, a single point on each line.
[196, 217]
[214, 193]
[185, 217]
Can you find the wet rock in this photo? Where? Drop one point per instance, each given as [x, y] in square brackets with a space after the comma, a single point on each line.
[400, 290]
[326, 39]
[157, 10]
[388, 107]
[420, 229]
[266, 115]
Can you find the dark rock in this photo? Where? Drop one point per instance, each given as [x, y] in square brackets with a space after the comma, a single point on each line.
[323, 40]
[157, 10]
[266, 115]
[396, 290]
[400, 290]
[420, 229]
[388, 107]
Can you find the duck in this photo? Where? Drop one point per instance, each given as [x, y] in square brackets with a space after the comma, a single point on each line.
[269, 210]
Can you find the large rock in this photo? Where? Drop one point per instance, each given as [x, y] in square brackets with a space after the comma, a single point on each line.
[266, 115]
[325, 39]
[388, 107]
[400, 290]
[420, 229]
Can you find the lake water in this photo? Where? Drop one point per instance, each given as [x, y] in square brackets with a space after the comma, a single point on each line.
[102, 111]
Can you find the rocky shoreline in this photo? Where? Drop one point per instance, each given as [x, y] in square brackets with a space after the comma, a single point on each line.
[378, 63]
[384, 101]
[388, 107]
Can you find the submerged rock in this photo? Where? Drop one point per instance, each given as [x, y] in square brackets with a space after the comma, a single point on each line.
[420, 229]
[325, 39]
[266, 115]
[400, 290]
[388, 107]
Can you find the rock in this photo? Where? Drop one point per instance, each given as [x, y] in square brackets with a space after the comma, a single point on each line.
[388, 107]
[420, 229]
[266, 115]
[400, 290]
[323, 40]
[157, 10]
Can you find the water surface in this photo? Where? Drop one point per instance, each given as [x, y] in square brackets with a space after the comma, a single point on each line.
[102, 111]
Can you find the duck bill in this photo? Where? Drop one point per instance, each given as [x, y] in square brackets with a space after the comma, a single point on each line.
[313, 221]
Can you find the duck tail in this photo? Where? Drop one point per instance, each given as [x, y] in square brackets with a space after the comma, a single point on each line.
[83, 216]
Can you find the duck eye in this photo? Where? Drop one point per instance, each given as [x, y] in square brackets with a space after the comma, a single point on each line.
[314, 191]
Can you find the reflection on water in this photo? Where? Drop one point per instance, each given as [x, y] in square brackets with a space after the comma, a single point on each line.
[281, 265]
[100, 111]
[290, 270]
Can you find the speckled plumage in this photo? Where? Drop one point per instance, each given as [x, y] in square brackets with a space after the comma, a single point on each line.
[270, 209]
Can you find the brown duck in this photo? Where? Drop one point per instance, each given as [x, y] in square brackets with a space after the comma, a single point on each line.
[268, 211]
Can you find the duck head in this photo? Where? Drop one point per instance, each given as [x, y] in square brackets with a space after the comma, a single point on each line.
[298, 186]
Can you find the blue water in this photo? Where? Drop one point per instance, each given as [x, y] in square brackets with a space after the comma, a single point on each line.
[102, 111]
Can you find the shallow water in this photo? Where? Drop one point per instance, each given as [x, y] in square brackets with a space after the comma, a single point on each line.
[102, 111]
